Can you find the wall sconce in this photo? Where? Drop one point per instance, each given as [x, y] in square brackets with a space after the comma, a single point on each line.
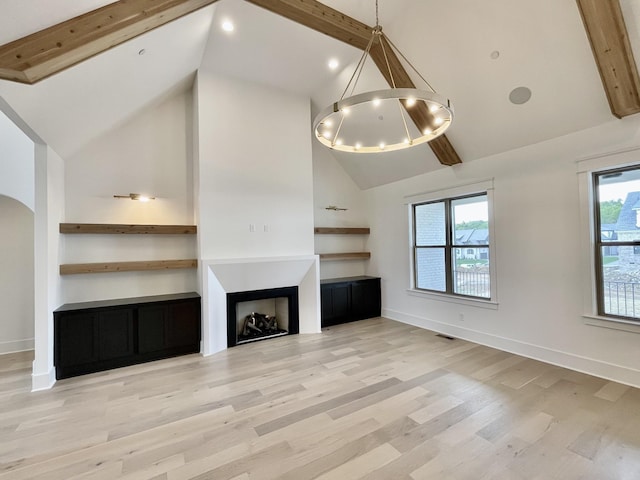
[136, 196]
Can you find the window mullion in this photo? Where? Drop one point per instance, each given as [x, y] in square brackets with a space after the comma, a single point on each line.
[448, 251]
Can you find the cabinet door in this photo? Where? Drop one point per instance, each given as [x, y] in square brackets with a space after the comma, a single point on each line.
[152, 328]
[365, 299]
[76, 339]
[335, 303]
[183, 325]
[115, 333]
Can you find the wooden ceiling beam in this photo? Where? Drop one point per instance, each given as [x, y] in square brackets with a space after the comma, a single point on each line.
[396, 75]
[335, 24]
[61, 46]
[609, 39]
[321, 18]
[49, 51]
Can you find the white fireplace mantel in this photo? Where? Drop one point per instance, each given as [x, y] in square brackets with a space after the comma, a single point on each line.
[229, 275]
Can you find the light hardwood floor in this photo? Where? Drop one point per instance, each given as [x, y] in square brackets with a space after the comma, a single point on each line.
[373, 399]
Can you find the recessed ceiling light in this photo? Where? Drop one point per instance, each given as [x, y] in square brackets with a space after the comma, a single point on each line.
[520, 95]
[495, 55]
[142, 52]
[333, 64]
[410, 102]
[227, 26]
[376, 102]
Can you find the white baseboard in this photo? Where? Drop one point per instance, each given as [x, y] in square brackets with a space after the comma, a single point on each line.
[16, 346]
[591, 366]
[43, 381]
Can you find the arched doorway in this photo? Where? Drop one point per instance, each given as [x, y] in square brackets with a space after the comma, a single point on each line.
[16, 276]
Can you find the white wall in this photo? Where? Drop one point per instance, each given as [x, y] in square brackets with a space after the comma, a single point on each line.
[16, 276]
[254, 168]
[332, 186]
[17, 166]
[17, 199]
[49, 203]
[539, 263]
[148, 154]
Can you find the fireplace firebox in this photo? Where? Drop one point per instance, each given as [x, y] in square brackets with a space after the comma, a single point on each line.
[261, 314]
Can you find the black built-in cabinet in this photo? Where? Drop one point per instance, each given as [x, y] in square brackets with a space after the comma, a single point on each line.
[348, 299]
[94, 336]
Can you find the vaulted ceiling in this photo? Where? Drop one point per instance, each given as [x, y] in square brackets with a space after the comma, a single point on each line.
[475, 53]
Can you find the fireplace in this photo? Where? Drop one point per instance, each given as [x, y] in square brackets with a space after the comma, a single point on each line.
[261, 314]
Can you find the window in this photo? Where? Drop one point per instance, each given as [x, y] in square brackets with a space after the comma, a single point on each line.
[617, 242]
[451, 246]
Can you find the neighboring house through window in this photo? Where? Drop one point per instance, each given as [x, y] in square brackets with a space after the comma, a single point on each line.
[451, 246]
[617, 242]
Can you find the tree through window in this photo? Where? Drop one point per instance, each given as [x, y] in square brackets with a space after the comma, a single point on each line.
[451, 246]
[617, 242]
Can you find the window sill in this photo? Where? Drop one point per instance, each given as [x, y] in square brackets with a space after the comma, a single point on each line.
[471, 302]
[612, 323]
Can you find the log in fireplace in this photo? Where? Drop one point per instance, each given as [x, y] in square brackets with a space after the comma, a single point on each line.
[261, 314]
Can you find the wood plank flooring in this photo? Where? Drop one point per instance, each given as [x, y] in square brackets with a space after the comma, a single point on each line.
[372, 400]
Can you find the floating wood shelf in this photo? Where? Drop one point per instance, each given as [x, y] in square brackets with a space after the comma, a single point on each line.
[345, 256]
[99, 228]
[108, 228]
[74, 268]
[342, 230]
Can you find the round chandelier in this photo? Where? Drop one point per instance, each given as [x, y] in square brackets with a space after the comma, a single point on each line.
[376, 121]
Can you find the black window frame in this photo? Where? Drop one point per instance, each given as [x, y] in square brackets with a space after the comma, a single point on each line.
[449, 247]
[599, 243]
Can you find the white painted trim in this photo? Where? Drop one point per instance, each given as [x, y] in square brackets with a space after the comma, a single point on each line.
[16, 346]
[586, 168]
[452, 191]
[590, 366]
[612, 323]
[443, 297]
[597, 156]
[589, 296]
[604, 161]
[43, 381]
[484, 186]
